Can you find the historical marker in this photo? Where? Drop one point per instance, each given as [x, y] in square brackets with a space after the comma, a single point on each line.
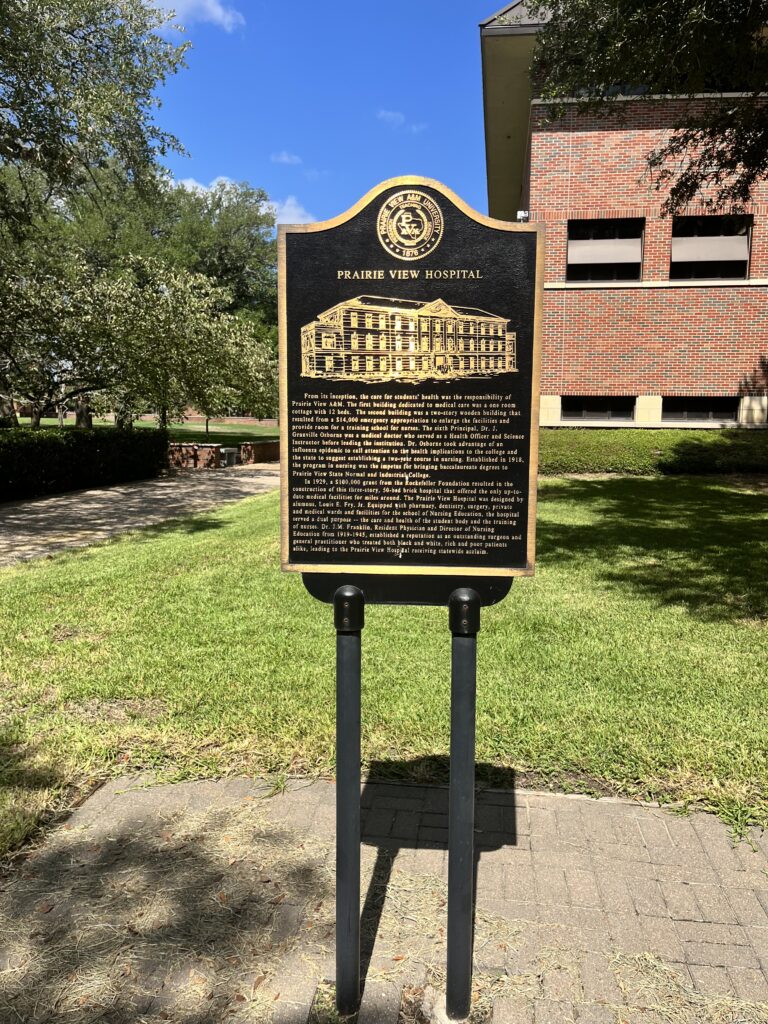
[409, 364]
[409, 368]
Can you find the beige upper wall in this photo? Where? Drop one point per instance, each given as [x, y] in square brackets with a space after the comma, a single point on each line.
[507, 106]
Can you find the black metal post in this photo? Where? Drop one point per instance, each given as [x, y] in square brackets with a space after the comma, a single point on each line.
[348, 615]
[464, 620]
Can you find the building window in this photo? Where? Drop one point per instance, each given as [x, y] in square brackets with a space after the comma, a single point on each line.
[382, 321]
[710, 247]
[698, 409]
[353, 319]
[598, 407]
[369, 319]
[609, 249]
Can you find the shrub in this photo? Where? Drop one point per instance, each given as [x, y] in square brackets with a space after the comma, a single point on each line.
[34, 462]
[642, 452]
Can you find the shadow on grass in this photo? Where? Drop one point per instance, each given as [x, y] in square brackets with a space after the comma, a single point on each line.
[718, 451]
[170, 917]
[25, 788]
[400, 815]
[689, 541]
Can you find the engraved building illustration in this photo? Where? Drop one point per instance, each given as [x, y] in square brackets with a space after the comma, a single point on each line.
[370, 338]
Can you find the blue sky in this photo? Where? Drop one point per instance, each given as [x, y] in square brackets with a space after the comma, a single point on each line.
[317, 102]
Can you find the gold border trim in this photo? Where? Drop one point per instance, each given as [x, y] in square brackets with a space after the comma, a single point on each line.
[535, 227]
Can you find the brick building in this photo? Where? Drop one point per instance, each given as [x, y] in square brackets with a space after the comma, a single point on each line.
[374, 338]
[648, 320]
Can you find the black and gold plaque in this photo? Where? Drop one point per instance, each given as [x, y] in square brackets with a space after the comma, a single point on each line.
[409, 367]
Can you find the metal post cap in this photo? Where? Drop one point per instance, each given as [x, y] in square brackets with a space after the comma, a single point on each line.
[464, 612]
[348, 610]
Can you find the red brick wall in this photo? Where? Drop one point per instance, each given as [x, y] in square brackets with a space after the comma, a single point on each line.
[692, 340]
[654, 341]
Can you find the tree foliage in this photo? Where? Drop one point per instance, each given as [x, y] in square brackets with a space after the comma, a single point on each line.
[77, 86]
[595, 51]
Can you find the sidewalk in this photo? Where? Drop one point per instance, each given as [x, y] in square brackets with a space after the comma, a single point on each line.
[42, 526]
[213, 901]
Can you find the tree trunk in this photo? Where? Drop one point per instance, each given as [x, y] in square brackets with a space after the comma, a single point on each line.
[162, 418]
[8, 417]
[83, 415]
[35, 416]
[61, 414]
[123, 417]
[207, 421]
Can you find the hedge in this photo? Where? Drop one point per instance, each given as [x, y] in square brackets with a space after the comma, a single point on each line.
[642, 452]
[44, 461]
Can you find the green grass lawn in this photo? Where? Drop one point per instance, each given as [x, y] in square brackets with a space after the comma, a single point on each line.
[633, 662]
[218, 433]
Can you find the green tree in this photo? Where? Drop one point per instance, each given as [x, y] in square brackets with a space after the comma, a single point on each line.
[78, 82]
[226, 232]
[597, 50]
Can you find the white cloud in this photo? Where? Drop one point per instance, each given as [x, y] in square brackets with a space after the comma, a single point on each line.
[397, 120]
[193, 185]
[284, 157]
[290, 211]
[212, 11]
[394, 118]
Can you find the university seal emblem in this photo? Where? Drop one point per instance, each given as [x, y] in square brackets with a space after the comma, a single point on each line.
[410, 225]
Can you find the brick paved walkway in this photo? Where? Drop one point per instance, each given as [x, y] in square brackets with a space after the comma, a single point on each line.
[42, 526]
[213, 901]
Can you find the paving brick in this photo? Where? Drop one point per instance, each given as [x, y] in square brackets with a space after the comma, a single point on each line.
[715, 905]
[542, 821]
[617, 898]
[749, 983]
[626, 934]
[380, 1003]
[621, 852]
[708, 931]
[551, 886]
[654, 831]
[582, 886]
[716, 955]
[758, 939]
[595, 1014]
[377, 822]
[432, 835]
[681, 901]
[519, 884]
[562, 985]
[648, 898]
[405, 825]
[513, 1010]
[546, 1011]
[661, 937]
[747, 907]
[597, 979]
[489, 818]
[712, 981]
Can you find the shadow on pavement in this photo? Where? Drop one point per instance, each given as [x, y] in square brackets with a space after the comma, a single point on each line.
[159, 914]
[400, 816]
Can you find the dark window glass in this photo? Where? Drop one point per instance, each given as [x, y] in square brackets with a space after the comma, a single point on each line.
[710, 247]
[597, 407]
[603, 272]
[708, 269]
[696, 408]
[606, 227]
[712, 226]
[605, 249]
